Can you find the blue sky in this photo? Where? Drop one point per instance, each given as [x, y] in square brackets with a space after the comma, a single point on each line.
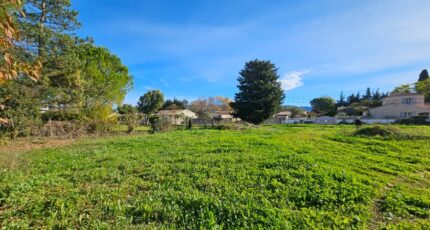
[194, 48]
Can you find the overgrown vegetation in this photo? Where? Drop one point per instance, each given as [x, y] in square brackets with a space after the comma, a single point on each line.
[383, 131]
[291, 177]
[78, 82]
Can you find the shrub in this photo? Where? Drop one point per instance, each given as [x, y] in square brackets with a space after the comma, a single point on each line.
[59, 129]
[236, 126]
[61, 116]
[159, 124]
[190, 124]
[378, 131]
[101, 126]
[414, 121]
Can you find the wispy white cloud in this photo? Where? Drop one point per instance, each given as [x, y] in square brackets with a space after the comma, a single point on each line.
[165, 83]
[362, 40]
[185, 79]
[293, 80]
[348, 44]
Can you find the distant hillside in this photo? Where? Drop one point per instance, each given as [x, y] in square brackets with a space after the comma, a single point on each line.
[306, 108]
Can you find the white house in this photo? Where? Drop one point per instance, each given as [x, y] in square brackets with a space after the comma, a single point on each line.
[221, 115]
[401, 106]
[284, 115]
[177, 117]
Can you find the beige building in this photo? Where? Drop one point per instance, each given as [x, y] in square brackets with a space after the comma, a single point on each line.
[284, 115]
[401, 106]
[221, 115]
[177, 117]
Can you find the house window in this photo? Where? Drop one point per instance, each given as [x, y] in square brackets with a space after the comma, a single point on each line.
[408, 100]
[406, 114]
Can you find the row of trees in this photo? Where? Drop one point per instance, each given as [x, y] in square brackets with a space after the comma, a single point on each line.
[422, 86]
[77, 80]
[260, 96]
[153, 101]
[369, 98]
[357, 103]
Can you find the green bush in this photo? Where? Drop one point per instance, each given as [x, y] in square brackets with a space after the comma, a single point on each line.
[383, 131]
[414, 121]
[60, 116]
[159, 124]
[101, 126]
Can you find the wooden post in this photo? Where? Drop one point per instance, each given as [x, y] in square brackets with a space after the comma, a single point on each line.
[50, 128]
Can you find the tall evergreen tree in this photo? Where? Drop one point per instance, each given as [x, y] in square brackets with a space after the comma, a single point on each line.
[342, 101]
[47, 34]
[377, 95]
[368, 94]
[423, 85]
[260, 94]
[358, 97]
[424, 75]
[46, 24]
[351, 99]
[174, 104]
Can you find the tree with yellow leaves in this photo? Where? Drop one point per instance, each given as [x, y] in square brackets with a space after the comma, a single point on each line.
[9, 66]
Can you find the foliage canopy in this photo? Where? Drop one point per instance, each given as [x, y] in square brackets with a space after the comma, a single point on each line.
[260, 94]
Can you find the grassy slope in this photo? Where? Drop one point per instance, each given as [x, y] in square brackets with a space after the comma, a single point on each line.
[280, 176]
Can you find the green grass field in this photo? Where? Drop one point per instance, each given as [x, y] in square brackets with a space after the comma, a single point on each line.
[289, 177]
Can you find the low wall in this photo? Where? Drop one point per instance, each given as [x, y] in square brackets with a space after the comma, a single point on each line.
[337, 121]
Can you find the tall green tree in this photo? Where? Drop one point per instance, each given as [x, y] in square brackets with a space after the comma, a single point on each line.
[48, 34]
[126, 109]
[260, 94]
[150, 102]
[358, 97]
[324, 106]
[351, 99]
[342, 101]
[405, 88]
[45, 25]
[103, 80]
[174, 104]
[423, 87]
[368, 94]
[424, 75]
[19, 104]
[377, 95]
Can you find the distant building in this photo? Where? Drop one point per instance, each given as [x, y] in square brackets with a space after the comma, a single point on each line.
[221, 115]
[284, 115]
[401, 106]
[177, 117]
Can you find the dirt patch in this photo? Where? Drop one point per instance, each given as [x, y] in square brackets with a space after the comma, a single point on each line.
[10, 151]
